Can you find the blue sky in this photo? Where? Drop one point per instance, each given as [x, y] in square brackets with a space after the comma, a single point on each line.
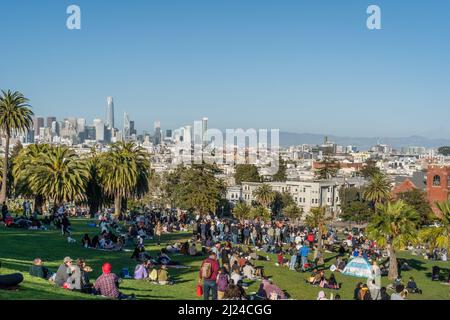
[296, 65]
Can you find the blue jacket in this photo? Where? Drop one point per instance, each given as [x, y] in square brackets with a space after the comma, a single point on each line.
[304, 251]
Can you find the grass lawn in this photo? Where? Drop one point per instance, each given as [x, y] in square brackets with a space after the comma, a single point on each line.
[19, 247]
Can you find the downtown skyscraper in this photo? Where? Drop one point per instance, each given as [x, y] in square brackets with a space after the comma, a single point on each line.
[110, 114]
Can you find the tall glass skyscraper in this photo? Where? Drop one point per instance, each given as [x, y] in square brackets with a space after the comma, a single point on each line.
[110, 114]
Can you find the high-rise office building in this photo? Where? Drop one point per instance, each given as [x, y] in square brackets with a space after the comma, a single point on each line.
[110, 113]
[50, 120]
[187, 135]
[81, 125]
[133, 130]
[38, 123]
[99, 130]
[157, 138]
[126, 126]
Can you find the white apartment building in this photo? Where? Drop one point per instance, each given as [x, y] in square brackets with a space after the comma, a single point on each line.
[307, 194]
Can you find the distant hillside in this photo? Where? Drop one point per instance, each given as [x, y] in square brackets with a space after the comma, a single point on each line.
[290, 139]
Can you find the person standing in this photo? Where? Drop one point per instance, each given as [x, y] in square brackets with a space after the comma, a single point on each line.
[303, 253]
[158, 232]
[208, 274]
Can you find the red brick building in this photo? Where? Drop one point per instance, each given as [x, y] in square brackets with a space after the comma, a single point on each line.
[438, 182]
[405, 186]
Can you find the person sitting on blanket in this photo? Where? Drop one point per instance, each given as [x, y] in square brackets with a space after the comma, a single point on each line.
[38, 270]
[107, 284]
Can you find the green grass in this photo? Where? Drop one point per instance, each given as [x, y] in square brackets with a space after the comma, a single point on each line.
[19, 247]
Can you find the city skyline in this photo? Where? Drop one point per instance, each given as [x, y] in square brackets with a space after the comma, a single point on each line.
[296, 66]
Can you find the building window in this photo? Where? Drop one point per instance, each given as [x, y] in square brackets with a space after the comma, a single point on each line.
[436, 181]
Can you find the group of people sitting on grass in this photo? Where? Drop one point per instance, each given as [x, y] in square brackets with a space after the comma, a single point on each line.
[74, 275]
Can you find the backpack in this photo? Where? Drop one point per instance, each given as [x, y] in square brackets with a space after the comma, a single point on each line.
[222, 284]
[206, 270]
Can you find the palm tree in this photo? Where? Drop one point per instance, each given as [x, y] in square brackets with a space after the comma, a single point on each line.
[59, 175]
[293, 212]
[95, 195]
[261, 213]
[394, 227]
[25, 161]
[264, 195]
[378, 190]
[242, 211]
[124, 171]
[15, 116]
[318, 218]
[438, 237]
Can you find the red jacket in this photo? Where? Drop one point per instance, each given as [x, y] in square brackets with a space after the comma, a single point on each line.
[214, 269]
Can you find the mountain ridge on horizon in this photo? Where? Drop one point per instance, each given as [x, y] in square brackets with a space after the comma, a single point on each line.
[288, 138]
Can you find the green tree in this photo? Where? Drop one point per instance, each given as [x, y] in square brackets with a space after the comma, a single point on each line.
[198, 189]
[95, 194]
[293, 212]
[418, 200]
[23, 163]
[15, 116]
[357, 211]
[370, 169]
[394, 226]
[281, 201]
[281, 175]
[60, 175]
[318, 219]
[124, 172]
[242, 211]
[261, 213]
[439, 236]
[378, 190]
[246, 173]
[264, 195]
[328, 168]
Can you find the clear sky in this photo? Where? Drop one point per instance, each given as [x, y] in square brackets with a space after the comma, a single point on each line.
[297, 65]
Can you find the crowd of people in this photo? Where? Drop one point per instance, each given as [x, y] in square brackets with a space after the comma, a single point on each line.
[232, 249]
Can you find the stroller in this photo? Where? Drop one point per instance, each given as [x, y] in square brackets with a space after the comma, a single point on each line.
[435, 273]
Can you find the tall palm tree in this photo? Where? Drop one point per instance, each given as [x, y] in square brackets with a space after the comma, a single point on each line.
[60, 175]
[15, 117]
[242, 211]
[23, 164]
[124, 172]
[318, 218]
[264, 195]
[95, 195]
[378, 190]
[394, 227]
[438, 237]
